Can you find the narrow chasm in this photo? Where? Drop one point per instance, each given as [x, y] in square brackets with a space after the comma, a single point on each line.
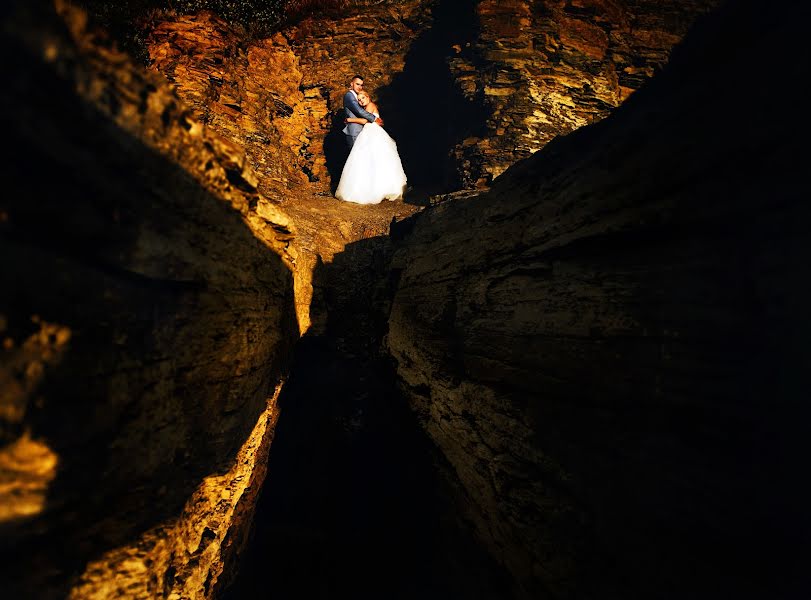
[356, 503]
[569, 362]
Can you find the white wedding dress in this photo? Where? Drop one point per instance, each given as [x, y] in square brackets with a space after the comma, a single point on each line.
[373, 172]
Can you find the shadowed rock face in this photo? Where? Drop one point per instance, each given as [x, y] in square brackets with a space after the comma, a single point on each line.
[608, 345]
[146, 313]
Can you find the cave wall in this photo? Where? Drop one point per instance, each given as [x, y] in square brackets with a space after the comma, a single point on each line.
[609, 345]
[146, 317]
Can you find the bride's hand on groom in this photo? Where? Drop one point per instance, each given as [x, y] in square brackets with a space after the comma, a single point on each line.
[379, 121]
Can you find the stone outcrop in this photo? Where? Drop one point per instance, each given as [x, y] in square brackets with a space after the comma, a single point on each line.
[544, 69]
[608, 345]
[278, 97]
[146, 317]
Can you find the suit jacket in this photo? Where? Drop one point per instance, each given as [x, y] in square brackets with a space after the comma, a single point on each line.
[353, 109]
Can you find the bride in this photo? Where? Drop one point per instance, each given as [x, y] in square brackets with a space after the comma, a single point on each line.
[373, 172]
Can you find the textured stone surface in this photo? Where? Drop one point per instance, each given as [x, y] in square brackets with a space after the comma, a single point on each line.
[249, 95]
[467, 88]
[278, 96]
[147, 314]
[609, 345]
[543, 69]
[579, 342]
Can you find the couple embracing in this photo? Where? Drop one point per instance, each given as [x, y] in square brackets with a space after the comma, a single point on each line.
[373, 172]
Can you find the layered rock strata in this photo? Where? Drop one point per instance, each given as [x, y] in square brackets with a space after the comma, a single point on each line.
[279, 97]
[466, 88]
[544, 69]
[146, 313]
[608, 346]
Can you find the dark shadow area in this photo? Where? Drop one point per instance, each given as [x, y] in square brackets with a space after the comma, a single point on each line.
[355, 504]
[84, 202]
[423, 109]
[336, 150]
[687, 447]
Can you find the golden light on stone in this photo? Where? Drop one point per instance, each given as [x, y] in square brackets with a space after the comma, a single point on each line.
[28, 464]
[221, 118]
[194, 545]
[26, 364]
[27, 467]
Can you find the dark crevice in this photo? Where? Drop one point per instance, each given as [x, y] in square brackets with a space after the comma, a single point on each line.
[425, 110]
[357, 502]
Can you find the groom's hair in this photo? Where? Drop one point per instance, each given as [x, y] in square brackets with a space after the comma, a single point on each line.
[354, 77]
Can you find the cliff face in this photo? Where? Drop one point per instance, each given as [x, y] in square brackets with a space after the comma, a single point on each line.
[466, 88]
[607, 346]
[146, 315]
[278, 97]
[545, 68]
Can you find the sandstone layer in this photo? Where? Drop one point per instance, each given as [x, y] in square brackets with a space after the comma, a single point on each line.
[608, 346]
[146, 313]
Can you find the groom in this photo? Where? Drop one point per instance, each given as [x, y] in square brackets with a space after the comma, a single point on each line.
[354, 110]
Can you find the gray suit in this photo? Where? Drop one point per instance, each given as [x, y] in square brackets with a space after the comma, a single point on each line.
[354, 110]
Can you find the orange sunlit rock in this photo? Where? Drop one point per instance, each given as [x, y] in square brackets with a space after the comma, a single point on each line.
[200, 543]
[27, 466]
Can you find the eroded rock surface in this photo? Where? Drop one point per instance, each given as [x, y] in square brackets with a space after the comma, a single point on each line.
[147, 317]
[579, 342]
[607, 346]
[278, 97]
[466, 88]
[544, 69]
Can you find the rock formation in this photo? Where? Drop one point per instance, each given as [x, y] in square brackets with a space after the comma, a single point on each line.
[607, 346]
[466, 88]
[278, 97]
[543, 69]
[147, 316]
[590, 344]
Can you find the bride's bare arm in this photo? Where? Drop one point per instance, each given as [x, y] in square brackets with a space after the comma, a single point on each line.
[355, 120]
